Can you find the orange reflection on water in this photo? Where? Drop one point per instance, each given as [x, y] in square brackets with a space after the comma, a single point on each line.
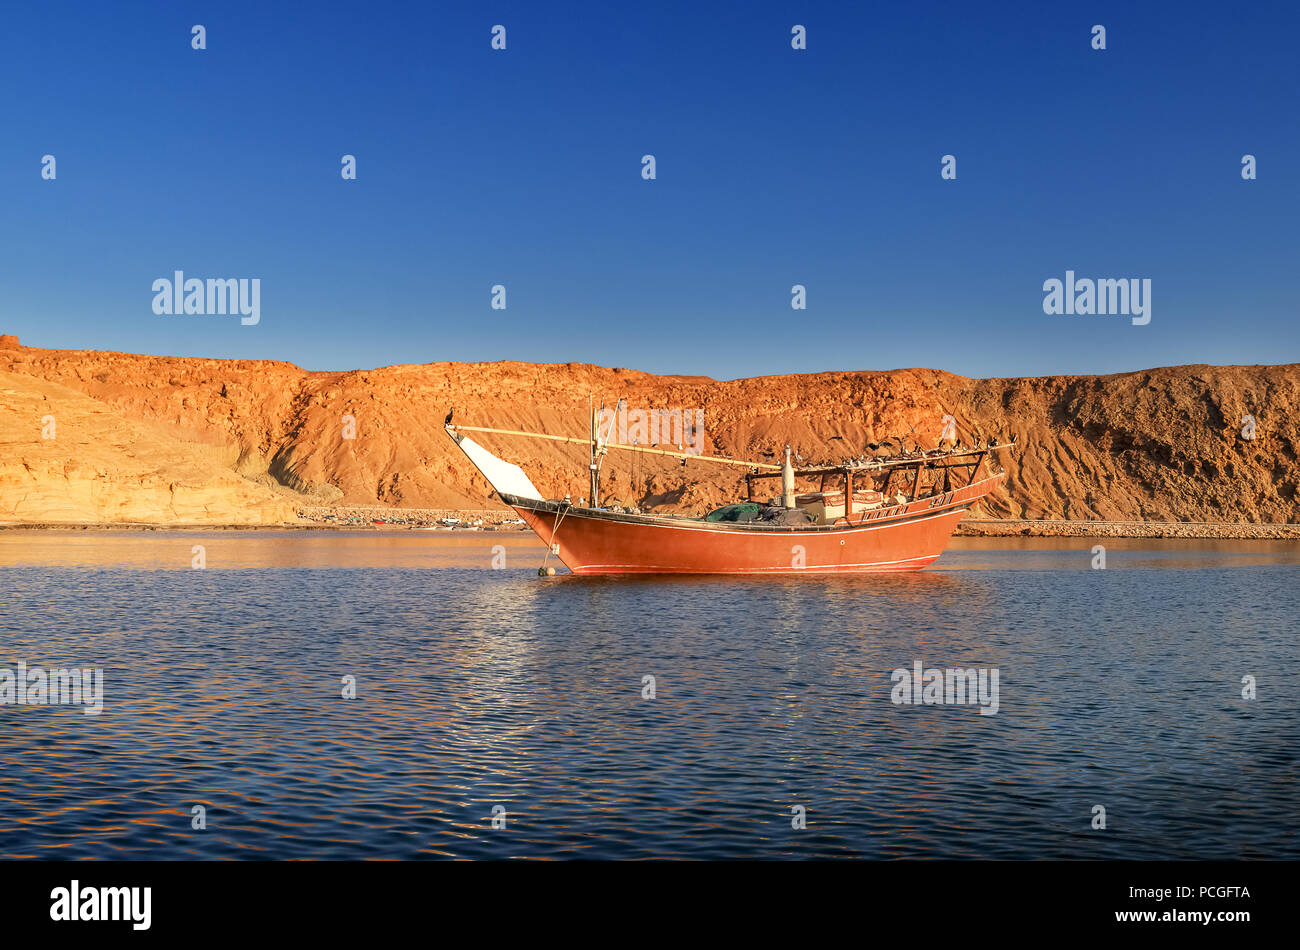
[162, 549]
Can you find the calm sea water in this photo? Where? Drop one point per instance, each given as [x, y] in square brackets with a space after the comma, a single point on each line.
[478, 688]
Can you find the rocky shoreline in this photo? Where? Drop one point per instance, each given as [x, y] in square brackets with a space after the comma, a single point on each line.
[1003, 528]
[321, 518]
[368, 516]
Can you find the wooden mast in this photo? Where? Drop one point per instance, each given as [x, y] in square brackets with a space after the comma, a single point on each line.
[591, 454]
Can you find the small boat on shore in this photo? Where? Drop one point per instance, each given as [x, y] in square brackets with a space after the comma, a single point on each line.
[866, 515]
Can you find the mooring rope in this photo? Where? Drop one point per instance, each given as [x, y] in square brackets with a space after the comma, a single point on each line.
[564, 510]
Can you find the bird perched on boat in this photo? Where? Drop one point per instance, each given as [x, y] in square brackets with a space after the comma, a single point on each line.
[1014, 438]
[450, 413]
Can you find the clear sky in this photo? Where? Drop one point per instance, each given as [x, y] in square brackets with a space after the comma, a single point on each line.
[774, 167]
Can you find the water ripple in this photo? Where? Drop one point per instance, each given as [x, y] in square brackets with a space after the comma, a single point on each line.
[478, 689]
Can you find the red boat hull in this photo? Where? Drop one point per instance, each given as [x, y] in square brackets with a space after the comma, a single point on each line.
[902, 538]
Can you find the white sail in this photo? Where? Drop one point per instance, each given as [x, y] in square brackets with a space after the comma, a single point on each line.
[503, 476]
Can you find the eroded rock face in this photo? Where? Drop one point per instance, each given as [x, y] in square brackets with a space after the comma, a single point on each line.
[69, 458]
[1164, 444]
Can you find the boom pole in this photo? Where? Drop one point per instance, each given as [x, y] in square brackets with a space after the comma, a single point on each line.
[614, 445]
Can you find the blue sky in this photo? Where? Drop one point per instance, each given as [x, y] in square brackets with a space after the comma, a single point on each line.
[775, 167]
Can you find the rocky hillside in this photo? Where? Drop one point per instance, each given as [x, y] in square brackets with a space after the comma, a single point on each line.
[1162, 444]
[65, 457]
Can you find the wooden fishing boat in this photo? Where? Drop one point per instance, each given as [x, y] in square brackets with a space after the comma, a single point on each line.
[890, 514]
